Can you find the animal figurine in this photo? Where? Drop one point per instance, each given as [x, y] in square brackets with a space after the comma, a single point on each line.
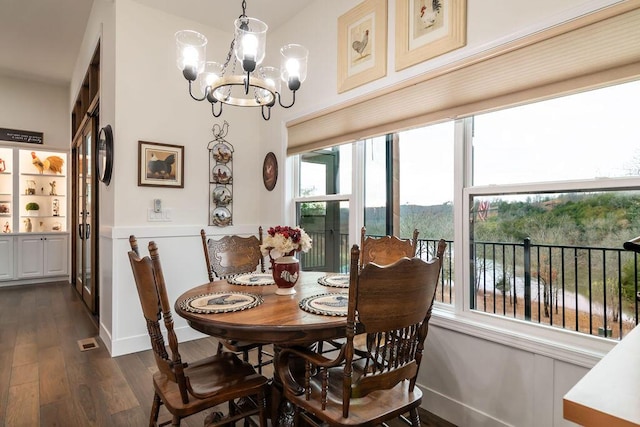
[53, 192]
[51, 163]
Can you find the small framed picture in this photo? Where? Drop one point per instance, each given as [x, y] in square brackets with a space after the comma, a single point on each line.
[362, 44]
[160, 165]
[428, 28]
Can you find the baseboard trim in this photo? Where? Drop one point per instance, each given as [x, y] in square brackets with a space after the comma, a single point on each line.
[456, 412]
[141, 342]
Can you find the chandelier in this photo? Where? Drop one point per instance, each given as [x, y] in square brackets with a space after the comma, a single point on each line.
[241, 80]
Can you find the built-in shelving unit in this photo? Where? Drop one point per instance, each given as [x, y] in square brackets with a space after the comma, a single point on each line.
[34, 244]
[42, 184]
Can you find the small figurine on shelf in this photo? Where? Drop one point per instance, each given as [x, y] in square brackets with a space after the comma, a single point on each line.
[41, 190]
[55, 207]
[41, 227]
[6, 228]
[56, 226]
[53, 189]
[52, 163]
[27, 225]
[3, 167]
[30, 190]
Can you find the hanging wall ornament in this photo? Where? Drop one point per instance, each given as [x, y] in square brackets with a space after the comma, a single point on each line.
[220, 177]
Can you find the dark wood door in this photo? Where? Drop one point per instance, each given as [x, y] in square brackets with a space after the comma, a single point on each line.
[84, 234]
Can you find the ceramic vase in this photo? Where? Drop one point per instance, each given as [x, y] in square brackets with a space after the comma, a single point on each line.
[286, 271]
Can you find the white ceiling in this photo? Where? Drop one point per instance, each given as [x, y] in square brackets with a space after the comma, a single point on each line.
[40, 39]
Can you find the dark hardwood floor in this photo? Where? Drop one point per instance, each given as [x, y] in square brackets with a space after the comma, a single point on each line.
[45, 380]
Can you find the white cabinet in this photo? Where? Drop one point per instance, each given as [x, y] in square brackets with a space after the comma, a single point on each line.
[6, 257]
[43, 255]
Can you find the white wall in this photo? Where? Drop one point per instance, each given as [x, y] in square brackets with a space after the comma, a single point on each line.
[467, 379]
[37, 107]
[144, 97]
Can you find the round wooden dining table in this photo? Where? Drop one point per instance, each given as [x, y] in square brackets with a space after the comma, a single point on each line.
[277, 320]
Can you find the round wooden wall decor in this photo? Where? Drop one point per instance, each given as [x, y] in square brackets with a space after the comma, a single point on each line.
[270, 171]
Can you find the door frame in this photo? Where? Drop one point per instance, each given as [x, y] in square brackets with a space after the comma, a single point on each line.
[89, 125]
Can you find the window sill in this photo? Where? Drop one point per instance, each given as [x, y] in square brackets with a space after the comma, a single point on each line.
[568, 346]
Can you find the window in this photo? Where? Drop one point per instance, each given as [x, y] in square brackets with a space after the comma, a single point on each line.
[553, 201]
[322, 207]
[544, 195]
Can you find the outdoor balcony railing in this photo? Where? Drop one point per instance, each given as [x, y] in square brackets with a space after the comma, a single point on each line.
[591, 290]
[586, 289]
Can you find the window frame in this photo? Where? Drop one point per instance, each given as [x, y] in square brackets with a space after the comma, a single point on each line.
[560, 344]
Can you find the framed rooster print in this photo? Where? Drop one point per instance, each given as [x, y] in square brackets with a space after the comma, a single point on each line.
[160, 165]
[428, 28]
[362, 44]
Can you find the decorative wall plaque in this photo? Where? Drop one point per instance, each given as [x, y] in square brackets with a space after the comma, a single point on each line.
[220, 177]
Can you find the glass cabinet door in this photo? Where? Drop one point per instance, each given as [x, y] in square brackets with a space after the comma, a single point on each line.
[84, 241]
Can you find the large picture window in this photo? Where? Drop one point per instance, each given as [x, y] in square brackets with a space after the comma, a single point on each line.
[553, 197]
[543, 196]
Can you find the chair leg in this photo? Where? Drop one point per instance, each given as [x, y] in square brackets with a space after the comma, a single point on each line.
[415, 418]
[220, 347]
[262, 407]
[260, 359]
[175, 421]
[155, 410]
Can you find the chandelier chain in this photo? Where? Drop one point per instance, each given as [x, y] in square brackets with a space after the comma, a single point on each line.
[244, 9]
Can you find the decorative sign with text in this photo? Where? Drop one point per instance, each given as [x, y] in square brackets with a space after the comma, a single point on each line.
[15, 135]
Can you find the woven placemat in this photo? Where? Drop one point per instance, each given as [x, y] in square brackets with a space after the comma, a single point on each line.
[336, 280]
[252, 279]
[335, 304]
[220, 302]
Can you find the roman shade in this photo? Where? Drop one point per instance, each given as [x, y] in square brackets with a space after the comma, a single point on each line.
[594, 50]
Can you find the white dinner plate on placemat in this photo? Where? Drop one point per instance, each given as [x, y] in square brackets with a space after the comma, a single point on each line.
[252, 279]
[338, 280]
[326, 304]
[220, 302]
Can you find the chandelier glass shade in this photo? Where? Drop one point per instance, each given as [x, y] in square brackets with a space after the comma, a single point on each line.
[241, 80]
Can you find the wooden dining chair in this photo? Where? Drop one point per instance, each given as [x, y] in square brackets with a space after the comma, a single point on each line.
[227, 257]
[381, 250]
[386, 249]
[232, 255]
[188, 388]
[392, 305]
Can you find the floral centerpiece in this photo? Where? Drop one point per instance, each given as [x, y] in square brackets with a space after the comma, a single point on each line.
[281, 241]
[280, 244]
